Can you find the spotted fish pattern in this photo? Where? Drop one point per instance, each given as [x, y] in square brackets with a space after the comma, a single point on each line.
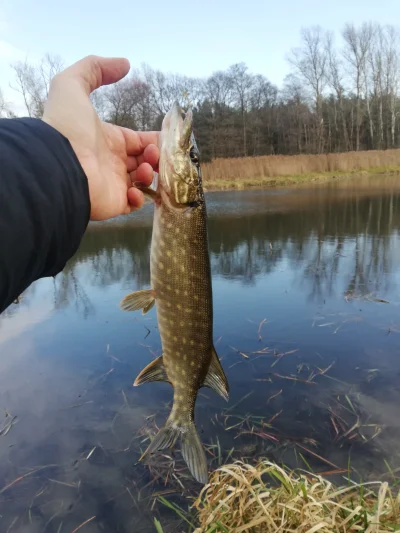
[182, 291]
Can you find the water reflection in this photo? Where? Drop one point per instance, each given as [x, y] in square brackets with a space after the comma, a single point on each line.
[353, 239]
[300, 280]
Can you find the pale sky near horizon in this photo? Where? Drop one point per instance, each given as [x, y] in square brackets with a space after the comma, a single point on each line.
[187, 37]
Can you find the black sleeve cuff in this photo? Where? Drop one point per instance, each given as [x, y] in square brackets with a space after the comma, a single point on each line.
[44, 204]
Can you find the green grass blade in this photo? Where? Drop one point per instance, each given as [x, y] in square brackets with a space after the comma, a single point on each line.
[180, 512]
[159, 528]
[305, 462]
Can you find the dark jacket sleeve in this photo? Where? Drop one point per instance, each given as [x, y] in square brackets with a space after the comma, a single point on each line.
[44, 204]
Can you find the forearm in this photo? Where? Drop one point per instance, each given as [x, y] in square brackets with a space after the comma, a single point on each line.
[44, 204]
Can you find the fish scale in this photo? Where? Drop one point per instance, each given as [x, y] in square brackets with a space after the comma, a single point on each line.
[181, 288]
[181, 278]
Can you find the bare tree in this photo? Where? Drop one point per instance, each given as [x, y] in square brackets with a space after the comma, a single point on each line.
[120, 101]
[28, 85]
[49, 66]
[332, 99]
[32, 82]
[218, 92]
[375, 59]
[295, 118]
[335, 77]
[164, 89]
[391, 68]
[357, 47]
[4, 109]
[242, 83]
[263, 102]
[98, 100]
[310, 63]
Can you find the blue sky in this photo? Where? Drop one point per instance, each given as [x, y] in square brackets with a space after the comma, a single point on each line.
[185, 36]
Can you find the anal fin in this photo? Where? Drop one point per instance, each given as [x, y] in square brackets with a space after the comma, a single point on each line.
[216, 378]
[139, 300]
[154, 371]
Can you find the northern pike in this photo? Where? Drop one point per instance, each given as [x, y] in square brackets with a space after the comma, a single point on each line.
[182, 291]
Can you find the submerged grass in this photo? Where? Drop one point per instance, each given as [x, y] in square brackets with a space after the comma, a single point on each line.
[266, 498]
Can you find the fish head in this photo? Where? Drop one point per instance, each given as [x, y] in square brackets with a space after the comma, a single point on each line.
[179, 167]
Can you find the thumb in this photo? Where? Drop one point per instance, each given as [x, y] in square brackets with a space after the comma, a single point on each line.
[92, 72]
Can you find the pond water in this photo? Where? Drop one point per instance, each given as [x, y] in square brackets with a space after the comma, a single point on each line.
[307, 324]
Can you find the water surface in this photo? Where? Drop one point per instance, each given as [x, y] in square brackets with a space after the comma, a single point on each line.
[306, 301]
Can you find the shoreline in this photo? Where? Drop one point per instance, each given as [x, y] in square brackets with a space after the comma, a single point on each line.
[292, 181]
[362, 183]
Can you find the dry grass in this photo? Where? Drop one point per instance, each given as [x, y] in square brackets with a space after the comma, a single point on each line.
[272, 170]
[268, 498]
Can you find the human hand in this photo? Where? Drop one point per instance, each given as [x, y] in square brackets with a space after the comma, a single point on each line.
[113, 158]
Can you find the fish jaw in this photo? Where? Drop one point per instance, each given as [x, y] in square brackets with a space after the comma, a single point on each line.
[179, 170]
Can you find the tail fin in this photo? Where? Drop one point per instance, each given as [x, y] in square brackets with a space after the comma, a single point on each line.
[193, 453]
[191, 447]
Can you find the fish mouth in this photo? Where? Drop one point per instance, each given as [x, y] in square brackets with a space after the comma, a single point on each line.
[174, 114]
[173, 125]
[176, 170]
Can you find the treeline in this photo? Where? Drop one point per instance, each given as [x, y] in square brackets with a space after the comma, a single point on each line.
[337, 98]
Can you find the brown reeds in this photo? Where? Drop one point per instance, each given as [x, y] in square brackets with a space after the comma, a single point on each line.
[268, 498]
[262, 169]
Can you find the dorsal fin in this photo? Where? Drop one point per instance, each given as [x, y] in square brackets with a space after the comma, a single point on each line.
[216, 378]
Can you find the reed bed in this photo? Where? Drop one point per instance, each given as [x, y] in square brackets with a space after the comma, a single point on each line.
[262, 169]
[269, 498]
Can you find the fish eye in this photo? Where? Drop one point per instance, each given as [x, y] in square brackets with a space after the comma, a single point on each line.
[194, 156]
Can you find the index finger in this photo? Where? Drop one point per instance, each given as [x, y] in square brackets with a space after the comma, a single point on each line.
[136, 141]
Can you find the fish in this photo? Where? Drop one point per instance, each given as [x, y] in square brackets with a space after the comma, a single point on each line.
[181, 289]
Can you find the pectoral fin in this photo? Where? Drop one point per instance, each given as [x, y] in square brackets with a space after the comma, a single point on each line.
[216, 378]
[154, 371]
[139, 300]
